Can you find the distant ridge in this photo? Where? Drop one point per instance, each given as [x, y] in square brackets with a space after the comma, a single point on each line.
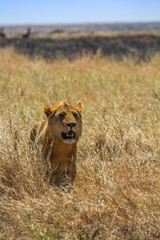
[90, 27]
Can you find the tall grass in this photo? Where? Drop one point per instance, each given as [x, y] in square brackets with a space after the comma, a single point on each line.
[116, 192]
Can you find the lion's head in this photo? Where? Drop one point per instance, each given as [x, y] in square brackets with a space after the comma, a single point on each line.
[64, 122]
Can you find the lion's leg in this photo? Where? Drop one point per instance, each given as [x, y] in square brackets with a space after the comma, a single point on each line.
[64, 178]
[72, 170]
[61, 180]
[56, 178]
[72, 173]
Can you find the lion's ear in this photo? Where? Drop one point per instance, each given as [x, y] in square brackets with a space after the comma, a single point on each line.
[79, 107]
[47, 110]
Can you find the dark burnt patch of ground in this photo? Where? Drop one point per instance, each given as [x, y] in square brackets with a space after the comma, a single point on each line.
[141, 46]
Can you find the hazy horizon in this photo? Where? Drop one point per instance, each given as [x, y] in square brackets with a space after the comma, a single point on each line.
[79, 23]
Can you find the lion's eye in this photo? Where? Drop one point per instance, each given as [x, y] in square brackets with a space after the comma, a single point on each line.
[75, 115]
[62, 116]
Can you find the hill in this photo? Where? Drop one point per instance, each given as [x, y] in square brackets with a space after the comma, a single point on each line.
[97, 27]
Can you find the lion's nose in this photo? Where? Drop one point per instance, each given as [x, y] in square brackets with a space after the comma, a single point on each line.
[71, 124]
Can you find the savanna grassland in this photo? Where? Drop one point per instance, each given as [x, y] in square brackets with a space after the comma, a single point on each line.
[117, 189]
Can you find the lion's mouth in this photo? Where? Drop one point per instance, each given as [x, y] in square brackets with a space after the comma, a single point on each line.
[68, 135]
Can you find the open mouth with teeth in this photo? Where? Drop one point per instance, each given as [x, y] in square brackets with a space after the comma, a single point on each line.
[68, 135]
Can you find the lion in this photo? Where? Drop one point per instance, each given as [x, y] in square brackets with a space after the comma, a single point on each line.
[58, 137]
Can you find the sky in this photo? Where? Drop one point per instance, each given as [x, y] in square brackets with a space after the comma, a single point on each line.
[78, 11]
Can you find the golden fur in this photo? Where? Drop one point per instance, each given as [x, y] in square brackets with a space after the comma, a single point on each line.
[58, 136]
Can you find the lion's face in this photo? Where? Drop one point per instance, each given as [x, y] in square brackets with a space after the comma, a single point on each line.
[64, 122]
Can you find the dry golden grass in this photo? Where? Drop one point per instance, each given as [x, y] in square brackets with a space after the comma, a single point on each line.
[77, 35]
[116, 192]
